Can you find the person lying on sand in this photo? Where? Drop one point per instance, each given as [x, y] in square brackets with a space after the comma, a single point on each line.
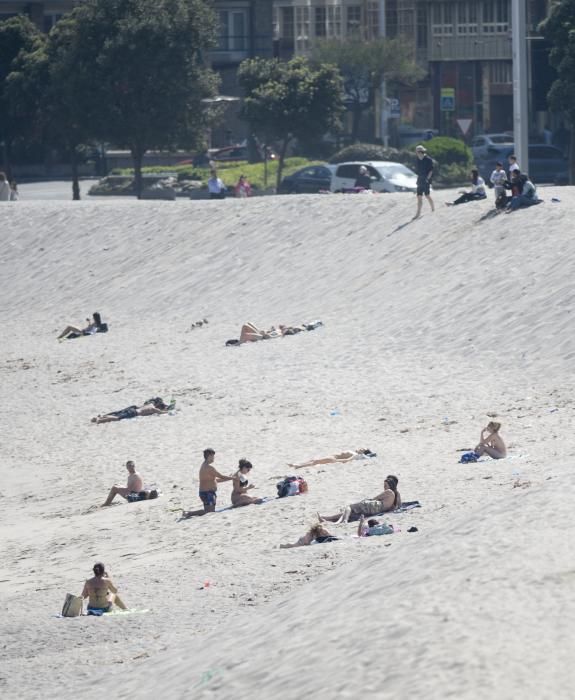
[149, 408]
[251, 333]
[342, 457]
[317, 533]
[490, 442]
[241, 486]
[209, 479]
[100, 590]
[389, 499]
[372, 528]
[134, 485]
[94, 326]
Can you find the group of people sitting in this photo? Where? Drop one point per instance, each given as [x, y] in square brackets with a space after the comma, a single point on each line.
[523, 191]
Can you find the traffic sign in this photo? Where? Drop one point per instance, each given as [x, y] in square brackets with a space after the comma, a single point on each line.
[464, 125]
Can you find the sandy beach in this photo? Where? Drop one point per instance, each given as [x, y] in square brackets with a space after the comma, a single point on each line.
[431, 329]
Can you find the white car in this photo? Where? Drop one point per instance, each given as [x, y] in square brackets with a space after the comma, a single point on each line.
[385, 176]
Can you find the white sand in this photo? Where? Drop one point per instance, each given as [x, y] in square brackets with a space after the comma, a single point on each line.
[428, 329]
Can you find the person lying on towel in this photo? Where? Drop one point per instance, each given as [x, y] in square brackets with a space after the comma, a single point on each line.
[389, 499]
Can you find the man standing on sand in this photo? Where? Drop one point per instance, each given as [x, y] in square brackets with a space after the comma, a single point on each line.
[135, 485]
[209, 479]
[424, 175]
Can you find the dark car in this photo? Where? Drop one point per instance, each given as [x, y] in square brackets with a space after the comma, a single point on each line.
[547, 164]
[312, 180]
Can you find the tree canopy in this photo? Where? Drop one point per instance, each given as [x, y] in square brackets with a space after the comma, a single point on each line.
[559, 29]
[365, 64]
[290, 100]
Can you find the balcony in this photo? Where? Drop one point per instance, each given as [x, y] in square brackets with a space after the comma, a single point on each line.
[470, 48]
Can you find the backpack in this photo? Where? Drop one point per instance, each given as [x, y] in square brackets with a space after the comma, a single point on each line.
[291, 486]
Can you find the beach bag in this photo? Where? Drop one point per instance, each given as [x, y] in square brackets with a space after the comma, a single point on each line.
[73, 606]
[291, 486]
[467, 457]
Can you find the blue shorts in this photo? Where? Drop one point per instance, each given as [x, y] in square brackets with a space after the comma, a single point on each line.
[208, 498]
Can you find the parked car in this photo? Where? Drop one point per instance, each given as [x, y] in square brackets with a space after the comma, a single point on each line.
[409, 135]
[237, 153]
[312, 180]
[547, 164]
[487, 145]
[386, 176]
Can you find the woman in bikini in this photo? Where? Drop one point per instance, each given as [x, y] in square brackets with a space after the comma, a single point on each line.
[491, 443]
[389, 499]
[341, 457]
[100, 590]
[93, 326]
[317, 533]
[241, 486]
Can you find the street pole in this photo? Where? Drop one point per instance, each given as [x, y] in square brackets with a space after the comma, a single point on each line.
[520, 83]
[383, 89]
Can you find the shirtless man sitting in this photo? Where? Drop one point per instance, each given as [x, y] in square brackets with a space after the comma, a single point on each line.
[209, 479]
[135, 485]
[101, 592]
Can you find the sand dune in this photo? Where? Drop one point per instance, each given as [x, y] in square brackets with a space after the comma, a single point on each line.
[430, 327]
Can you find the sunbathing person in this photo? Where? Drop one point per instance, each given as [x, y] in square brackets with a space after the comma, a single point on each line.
[251, 333]
[134, 485]
[100, 590]
[388, 500]
[149, 408]
[210, 477]
[241, 486]
[317, 533]
[342, 457]
[490, 442]
[94, 326]
[372, 528]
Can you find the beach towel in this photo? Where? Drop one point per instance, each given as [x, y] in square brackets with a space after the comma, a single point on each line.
[408, 505]
[73, 605]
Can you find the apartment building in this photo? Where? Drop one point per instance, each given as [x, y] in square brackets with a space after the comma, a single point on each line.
[463, 45]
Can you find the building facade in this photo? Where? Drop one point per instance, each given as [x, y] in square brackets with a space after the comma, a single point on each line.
[463, 45]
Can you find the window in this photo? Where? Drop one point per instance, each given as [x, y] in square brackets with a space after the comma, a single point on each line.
[372, 29]
[495, 17]
[334, 21]
[348, 171]
[501, 72]
[302, 28]
[50, 20]
[233, 35]
[467, 18]
[442, 19]
[287, 23]
[320, 21]
[353, 25]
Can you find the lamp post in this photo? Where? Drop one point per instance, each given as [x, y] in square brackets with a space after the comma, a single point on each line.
[384, 108]
[520, 83]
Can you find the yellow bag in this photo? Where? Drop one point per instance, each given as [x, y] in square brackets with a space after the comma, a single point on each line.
[73, 606]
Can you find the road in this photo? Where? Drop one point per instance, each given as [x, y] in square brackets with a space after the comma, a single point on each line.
[57, 189]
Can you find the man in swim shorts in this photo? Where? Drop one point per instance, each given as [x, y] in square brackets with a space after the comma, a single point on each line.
[135, 484]
[209, 479]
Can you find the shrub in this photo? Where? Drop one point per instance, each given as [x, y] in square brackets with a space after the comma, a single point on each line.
[447, 151]
[364, 152]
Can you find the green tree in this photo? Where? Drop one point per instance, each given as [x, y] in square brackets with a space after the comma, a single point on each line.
[290, 100]
[18, 37]
[559, 30]
[364, 65]
[138, 68]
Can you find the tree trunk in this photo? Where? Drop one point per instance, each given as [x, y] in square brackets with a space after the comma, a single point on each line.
[572, 155]
[75, 179]
[6, 158]
[356, 121]
[137, 157]
[283, 151]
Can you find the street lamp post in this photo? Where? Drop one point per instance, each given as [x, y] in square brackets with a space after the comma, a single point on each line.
[520, 83]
